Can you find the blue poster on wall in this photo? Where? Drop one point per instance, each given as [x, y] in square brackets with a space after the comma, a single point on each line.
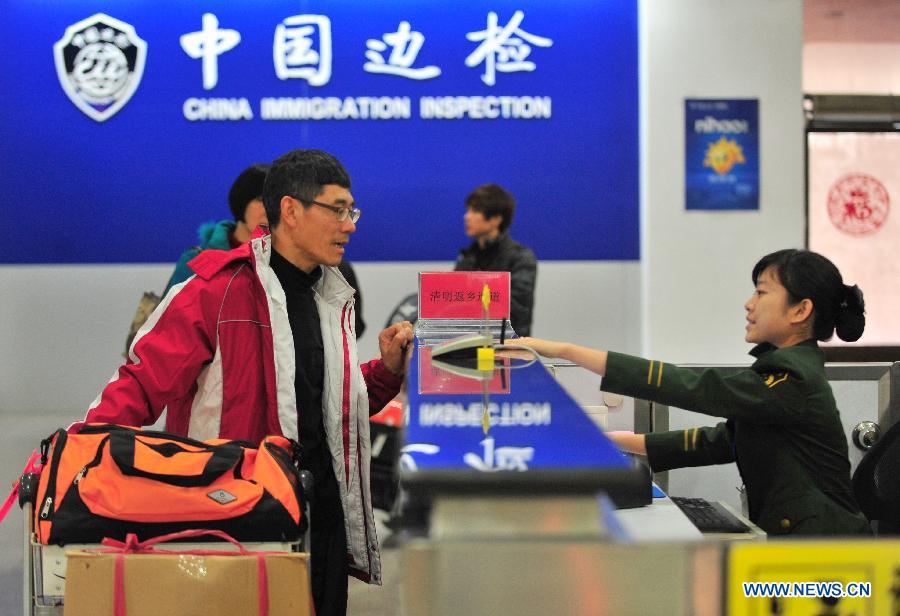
[721, 154]
[124, 124]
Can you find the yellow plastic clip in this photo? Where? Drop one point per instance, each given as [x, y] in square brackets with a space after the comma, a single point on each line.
[485, 359]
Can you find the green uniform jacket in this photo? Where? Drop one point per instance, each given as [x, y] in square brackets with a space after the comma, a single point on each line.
[783, 429]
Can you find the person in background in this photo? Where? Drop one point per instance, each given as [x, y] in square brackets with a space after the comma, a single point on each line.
[258, 342]
[489, 214]
[248, 212]
[782, 425]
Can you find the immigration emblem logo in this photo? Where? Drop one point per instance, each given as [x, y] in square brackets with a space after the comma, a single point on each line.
[100, 62]
[858, 204]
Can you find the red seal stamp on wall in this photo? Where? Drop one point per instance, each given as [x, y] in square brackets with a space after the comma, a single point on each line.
[858, 204]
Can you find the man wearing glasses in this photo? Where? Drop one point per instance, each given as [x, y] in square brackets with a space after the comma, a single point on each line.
[260, 341]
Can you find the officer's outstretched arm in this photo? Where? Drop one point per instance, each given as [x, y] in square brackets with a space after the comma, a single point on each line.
[592, 359]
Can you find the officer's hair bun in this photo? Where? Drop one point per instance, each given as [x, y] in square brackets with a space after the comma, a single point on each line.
[850, 320]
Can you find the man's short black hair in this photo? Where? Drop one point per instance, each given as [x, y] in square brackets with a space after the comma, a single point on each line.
[492, 200]
[247, 187]
[300, 174]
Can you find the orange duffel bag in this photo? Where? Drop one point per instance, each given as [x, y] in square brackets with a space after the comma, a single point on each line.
[108, 481]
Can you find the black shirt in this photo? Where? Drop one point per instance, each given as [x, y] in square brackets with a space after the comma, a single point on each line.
[504, 254]
[309, 377]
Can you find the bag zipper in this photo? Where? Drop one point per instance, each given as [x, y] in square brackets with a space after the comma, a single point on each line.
[80, 475]
[98, 457]
[61, 436]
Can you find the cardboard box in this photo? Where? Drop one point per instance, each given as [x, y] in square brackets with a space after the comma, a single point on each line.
[186, 584]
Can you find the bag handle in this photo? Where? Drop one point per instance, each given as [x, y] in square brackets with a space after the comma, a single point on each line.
[131, 545]
[224, 457]
[169, 436]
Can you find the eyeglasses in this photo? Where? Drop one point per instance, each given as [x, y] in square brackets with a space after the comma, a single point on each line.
[342, 213]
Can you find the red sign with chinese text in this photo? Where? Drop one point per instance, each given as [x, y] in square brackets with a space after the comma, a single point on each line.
[457, 295]
[436, 380]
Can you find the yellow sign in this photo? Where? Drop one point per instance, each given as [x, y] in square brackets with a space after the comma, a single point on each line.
[814, 578]
[724, 154]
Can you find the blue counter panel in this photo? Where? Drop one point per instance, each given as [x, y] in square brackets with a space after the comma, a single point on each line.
[534, 424]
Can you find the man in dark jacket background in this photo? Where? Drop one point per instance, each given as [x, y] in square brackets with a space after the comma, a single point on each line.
[489, 213]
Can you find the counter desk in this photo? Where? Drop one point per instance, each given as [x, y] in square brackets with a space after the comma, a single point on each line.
[512, 432]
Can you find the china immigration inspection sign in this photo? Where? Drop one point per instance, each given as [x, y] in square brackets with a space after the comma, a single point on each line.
[128, 122]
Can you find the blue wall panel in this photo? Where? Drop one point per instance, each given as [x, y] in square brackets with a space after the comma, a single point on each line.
[135, 186]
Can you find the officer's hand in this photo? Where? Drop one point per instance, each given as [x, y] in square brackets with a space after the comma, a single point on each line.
[393, 342]
[629, 441]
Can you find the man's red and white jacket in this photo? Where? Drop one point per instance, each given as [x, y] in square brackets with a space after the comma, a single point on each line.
[218, 356]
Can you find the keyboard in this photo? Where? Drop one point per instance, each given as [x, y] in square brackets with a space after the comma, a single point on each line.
[710, 517]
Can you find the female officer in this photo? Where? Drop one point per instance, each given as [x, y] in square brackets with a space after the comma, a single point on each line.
[782, 425]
